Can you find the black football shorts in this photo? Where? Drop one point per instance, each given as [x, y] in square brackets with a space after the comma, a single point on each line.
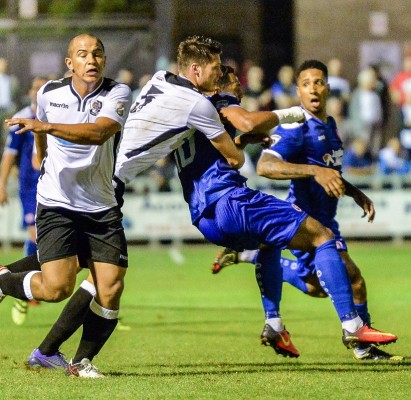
[63, 233]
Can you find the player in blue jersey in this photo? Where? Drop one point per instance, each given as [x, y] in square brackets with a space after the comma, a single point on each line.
[228, 212]
[19, 148]
[305, 153]
[221, 224]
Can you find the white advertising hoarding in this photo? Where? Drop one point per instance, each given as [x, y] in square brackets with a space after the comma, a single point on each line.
[165, 216]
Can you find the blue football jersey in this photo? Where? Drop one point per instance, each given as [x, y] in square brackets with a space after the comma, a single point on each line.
[316, 143]
[204, 173]
[23, 145]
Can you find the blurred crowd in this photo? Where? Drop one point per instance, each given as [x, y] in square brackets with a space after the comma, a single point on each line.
[373, 115]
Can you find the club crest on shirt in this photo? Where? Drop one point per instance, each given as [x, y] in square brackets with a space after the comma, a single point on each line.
[120, 109]
[275, 139]
[334, 159]
[96, 106]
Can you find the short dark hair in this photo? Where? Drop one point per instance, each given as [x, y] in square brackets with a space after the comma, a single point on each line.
[224, 80]
[197, 49]
[309, 64]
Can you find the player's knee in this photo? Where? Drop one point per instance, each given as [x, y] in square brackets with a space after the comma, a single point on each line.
[56, 295]
[325, 234]
[111, 292]
[358, 285]
[117, 289]
[313, 234]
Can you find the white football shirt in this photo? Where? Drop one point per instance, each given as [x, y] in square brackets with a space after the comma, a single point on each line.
[168, 110]
[77, 176]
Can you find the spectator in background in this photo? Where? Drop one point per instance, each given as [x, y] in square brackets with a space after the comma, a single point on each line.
[382, 89]
[392, 159]
[243, 71]
[9, 98]
[357, 159]
[126, 76]
[20, 148]
[284, 90]
[405, 129]
[399, 87]
[401, 83]
[256, 96]
[335, 108]
[162, 173]
[141, 82]
[365, 110]
[172, 67]
[339, 86]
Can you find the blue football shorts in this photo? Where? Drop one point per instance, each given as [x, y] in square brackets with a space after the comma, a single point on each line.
[245, 218]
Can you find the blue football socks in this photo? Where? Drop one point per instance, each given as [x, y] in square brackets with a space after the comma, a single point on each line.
[334, 279]
[269, 277]
[290, 274]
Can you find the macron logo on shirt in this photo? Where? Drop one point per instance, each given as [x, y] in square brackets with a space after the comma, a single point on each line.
[58, 105]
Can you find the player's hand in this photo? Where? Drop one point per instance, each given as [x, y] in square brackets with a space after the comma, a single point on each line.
[331, 181]
[255, 138]
[366, 204]
[27, 124]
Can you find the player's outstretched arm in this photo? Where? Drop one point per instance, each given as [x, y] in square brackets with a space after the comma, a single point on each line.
[260, 121]
[361, 199]
[95, 133]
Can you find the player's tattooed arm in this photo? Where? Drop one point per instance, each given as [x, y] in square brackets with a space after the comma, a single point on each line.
[273, 167]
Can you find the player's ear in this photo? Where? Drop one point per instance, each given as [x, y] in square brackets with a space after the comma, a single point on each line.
[69, 63]
[195, 68]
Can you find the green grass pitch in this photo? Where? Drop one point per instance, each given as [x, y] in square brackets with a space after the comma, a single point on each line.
[195, 335]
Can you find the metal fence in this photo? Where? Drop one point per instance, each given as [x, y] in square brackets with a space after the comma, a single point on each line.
[39, 47]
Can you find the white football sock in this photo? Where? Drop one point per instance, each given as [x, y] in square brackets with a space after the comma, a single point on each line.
[353, 325]
[275, 323]
[247, 256]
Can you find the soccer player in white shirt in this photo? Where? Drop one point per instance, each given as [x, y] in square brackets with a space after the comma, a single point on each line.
[170, 108]
[79, 121]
